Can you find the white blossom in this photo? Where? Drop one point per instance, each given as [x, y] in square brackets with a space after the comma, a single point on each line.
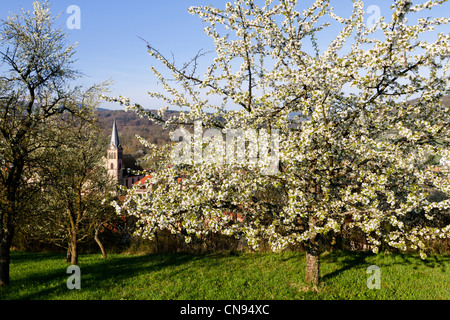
[358, 155]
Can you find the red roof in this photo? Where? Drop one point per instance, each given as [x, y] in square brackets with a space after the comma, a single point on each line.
[143, 180]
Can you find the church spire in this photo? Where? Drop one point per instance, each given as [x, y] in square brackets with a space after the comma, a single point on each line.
[114, 136]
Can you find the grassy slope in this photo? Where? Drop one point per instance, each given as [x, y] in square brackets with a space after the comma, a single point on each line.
[262, 276]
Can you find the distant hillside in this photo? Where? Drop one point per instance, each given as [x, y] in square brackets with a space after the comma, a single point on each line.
[446, 101]
[129, 125]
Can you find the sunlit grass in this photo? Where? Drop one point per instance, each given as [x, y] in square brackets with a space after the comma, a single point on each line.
[227, 276]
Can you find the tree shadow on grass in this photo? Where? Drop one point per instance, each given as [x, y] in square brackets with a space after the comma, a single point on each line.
[346, 260]
[431, 261]
[95, 274]
[351, 260]
[27, 257]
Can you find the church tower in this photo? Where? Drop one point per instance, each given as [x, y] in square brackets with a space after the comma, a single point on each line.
[114, 158]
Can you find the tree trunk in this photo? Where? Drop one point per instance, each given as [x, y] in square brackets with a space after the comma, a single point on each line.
[69, 252]
[312, 261]
[312, 268]
[74, 250]
[5, 256]
[96, 238]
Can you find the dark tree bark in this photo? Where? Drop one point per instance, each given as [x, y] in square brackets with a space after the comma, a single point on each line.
[74, 254]
[8, 211]
[69, 253]
[73, 248]
[5, 256]
[97, 239]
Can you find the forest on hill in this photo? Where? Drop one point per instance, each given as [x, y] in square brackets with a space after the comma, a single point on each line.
[129, 125]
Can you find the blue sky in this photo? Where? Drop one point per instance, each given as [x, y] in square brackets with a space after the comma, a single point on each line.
[108, 40]
[109, 46]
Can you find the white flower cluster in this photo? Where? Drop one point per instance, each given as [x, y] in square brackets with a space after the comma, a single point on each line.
[353, 160]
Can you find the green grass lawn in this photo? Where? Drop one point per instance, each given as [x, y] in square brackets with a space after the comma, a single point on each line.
[227, 276]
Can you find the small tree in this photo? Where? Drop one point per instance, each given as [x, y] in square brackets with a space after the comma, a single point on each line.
[37, 66]
[347, 158]
[77, 183]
